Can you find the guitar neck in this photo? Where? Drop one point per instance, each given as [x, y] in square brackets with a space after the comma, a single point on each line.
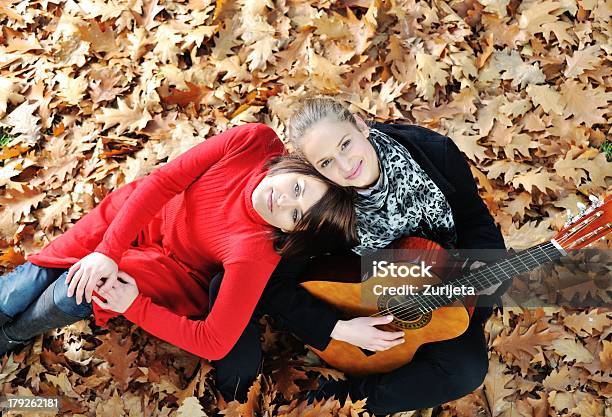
[496, 273]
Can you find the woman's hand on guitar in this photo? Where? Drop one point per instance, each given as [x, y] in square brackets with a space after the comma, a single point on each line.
[361, 332]
[84, 275]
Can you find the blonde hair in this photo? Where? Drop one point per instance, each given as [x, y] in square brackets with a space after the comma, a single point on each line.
[311, 111]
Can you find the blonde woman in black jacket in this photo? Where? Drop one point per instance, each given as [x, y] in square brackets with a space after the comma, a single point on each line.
[409, 181]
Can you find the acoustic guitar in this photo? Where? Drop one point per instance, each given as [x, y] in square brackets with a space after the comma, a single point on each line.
[430, 318]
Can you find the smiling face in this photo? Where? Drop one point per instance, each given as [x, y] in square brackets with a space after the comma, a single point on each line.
[283, 199]
[341, 152]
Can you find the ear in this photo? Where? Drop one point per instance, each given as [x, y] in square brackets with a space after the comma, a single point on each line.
[361, 124]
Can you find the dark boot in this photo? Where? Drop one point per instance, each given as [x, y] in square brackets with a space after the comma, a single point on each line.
[40, 316]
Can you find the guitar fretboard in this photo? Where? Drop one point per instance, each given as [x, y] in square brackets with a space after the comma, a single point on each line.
[490, 275]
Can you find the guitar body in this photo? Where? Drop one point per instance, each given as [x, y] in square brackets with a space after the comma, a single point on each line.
[357, 299]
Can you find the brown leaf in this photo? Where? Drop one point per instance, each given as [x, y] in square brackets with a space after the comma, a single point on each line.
[20, 203]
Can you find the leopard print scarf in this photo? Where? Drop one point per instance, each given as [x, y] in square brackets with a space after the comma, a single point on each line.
[404, 202]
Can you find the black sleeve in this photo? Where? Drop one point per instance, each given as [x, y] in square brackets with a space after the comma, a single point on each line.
[475, 227]
[310, 319]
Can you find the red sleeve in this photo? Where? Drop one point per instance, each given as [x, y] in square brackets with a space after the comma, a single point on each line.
[165, 182]
[212, 338]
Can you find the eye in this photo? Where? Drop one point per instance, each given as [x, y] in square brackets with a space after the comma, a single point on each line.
[295, 215]
[297, 189]
[345, 144]
[325, 163]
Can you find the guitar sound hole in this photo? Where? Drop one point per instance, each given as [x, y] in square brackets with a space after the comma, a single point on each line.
[400, 310]
[407, 316]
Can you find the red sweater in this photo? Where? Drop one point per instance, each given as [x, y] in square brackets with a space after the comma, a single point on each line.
[186, 220]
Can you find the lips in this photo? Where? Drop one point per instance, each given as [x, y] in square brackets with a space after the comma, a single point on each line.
[270, 200]
[355, 172]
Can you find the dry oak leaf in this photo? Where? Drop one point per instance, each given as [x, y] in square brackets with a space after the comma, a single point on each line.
[124, 116]
[517, 342]
[20, 203]
[560, 29]
[539, 406]
[561, 400]
[24, 123]
[469, 406]
[572, 350]
[191, 407]
[585, 59]
[430, 71]
[584, 323]
[53, 214]
[575, 164]
[468, 144]
[513, 68]
[7, 10]
[111, 406]
[9, 92]
[518, 204]
[535, 178]
[590, 407]
[560, 378]
[605, 356]
[193, 95]
[121, 361]
[324, 75]
[61, 381]
[586, 105]
[495, 386]
[537, 14]
[8, 368]
[285, 377]
[528, 235]
[547, 97]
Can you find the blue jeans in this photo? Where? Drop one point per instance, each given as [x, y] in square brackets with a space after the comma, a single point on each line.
[24, 284]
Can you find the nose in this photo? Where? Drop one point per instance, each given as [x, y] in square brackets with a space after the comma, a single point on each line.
[344, 164]
[283, 200]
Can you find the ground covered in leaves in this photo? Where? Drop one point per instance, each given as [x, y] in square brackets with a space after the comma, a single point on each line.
[96, 93]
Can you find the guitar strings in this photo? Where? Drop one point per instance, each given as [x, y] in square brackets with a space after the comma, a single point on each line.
[410, 304]
[413, 304]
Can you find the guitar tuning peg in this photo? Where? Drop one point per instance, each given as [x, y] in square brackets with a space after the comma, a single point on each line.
[568, 217]
[595, 201]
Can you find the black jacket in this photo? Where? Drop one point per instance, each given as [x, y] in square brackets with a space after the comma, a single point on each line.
[313, 320]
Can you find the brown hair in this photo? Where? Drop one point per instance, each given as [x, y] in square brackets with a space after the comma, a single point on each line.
[311, 111]
[329, 224]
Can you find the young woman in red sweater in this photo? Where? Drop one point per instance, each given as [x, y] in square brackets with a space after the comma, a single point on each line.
[232, 202]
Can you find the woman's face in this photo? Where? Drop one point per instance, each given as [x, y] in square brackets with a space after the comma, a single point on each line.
[282, 199]
[342, 152]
